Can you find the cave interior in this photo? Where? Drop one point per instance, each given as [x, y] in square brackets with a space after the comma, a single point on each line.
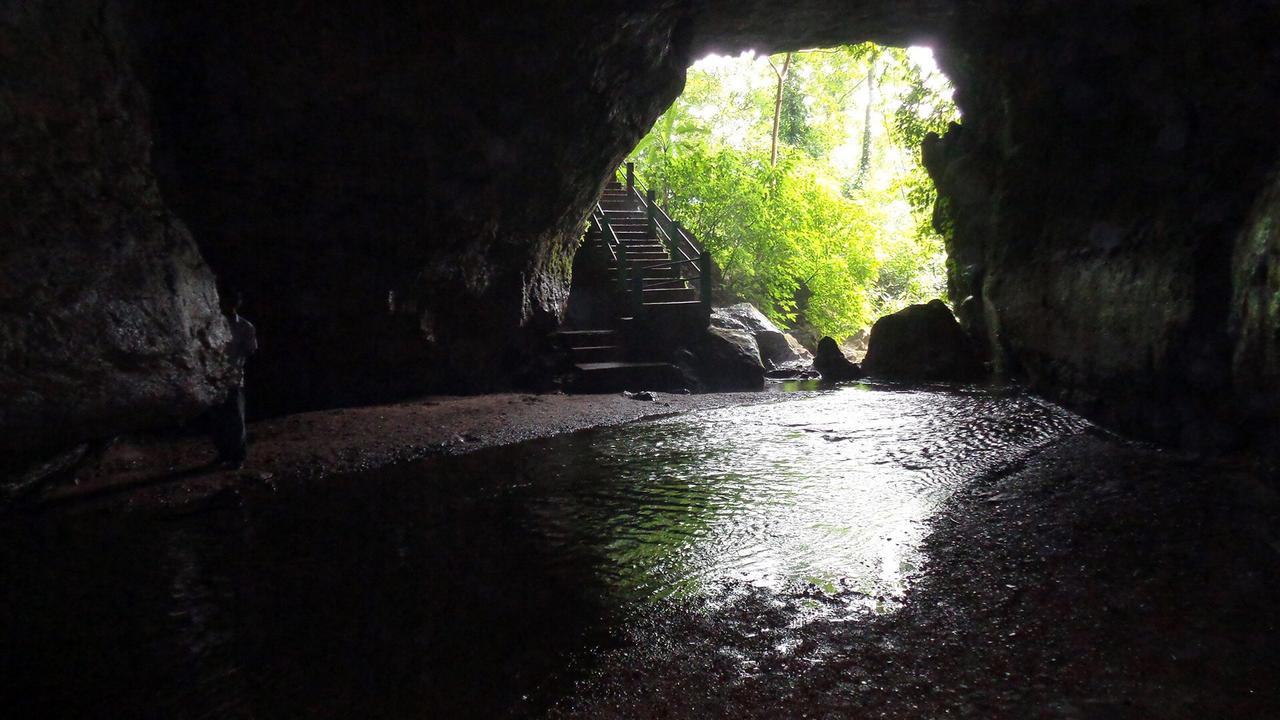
[1109, 195]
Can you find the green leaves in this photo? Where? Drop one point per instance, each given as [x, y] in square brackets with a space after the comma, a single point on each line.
[799, 239]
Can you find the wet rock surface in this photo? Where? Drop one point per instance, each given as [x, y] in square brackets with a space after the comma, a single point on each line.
[921, 343]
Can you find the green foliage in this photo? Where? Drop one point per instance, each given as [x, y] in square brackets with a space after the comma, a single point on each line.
[804, 228]
[794, 128]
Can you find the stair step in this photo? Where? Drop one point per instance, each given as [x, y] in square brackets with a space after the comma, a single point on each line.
[597, 353]
[616, 376]
[608, 366]
[651, 273]
[587, 338]
[669, 295]
[672, 304]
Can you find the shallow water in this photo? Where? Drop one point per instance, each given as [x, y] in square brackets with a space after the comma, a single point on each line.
[481, 584]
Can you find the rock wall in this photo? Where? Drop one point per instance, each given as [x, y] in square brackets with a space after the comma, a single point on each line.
[1109, 155]
[398, 188]
[108, 316]
[328, 155]
[1255, 320]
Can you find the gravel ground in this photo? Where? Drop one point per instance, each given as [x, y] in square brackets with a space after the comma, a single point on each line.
[1097, 579]
[1100, 579]
[160, 474]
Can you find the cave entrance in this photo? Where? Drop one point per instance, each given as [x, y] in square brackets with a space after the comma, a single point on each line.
[801, 174]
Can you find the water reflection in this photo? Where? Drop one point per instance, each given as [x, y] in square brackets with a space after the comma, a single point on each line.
[832, 490]
[473, 586]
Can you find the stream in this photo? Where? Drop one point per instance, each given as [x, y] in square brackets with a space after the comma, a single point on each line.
[484, 585]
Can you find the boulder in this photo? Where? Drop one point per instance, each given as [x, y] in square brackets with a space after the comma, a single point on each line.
[855, 346]
[798, 347]
[921, 342]
[775, 349]
[832, 363]
[729, 360]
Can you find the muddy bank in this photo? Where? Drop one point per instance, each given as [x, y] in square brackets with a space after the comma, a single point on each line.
[1098, 579]
[151, 473]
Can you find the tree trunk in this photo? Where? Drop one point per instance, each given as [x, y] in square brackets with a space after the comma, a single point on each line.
[864, 163]
[777, 108]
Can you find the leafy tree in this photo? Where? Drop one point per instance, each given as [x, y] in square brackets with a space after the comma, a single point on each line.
[801, 176]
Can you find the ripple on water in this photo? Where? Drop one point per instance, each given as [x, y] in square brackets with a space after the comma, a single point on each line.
[461, 584]
[831, 490]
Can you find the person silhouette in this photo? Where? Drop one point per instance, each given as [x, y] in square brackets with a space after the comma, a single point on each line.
[230, 436]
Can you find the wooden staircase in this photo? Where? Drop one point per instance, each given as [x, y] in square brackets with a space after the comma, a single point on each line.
[649, 284]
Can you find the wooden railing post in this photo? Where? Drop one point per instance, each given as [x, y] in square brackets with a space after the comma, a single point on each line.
[637, 292]
[622, 256]
[631, 178]
[653, 209]
[704, 283]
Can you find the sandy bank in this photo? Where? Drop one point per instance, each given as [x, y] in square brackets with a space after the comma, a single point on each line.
[151, 473]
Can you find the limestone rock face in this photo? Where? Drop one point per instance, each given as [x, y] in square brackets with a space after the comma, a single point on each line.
[921, 342]
[109, 318]
[1108, 160]
[398, 189]
[327, 156]
[1255, 318]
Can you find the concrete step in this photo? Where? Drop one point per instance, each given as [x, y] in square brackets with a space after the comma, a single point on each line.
[587, 338]
[605, 377]
[597, 354]
[672, 305]
[669, 295]
[650, 273]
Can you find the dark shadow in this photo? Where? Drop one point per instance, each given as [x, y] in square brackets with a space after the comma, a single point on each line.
[428, 591]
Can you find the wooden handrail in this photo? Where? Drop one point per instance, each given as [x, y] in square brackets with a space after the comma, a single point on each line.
[602, 224]
[665, 265]
[617, 251]
[685, 250]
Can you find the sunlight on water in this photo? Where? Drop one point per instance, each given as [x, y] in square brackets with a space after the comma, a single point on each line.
[465, 584]
[832, 490]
